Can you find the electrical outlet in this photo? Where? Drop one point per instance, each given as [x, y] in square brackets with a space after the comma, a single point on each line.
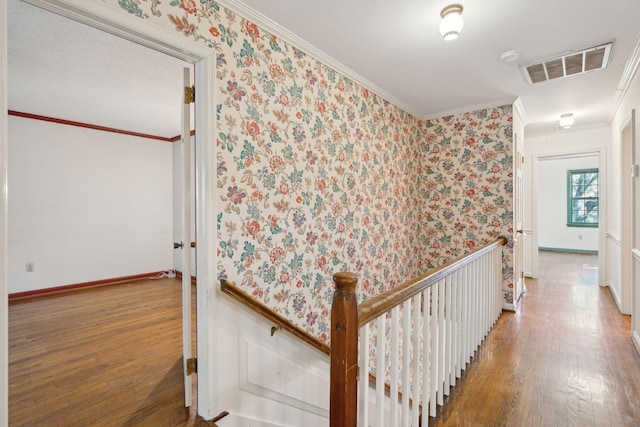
[30, 267]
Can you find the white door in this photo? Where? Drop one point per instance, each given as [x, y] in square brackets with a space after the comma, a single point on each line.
[518, 220]
[186, 233]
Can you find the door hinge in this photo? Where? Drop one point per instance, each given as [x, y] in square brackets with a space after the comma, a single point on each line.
[192, 366]
[189, 95]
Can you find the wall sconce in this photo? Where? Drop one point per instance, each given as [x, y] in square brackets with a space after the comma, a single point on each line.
[566, 121]
[452, 22]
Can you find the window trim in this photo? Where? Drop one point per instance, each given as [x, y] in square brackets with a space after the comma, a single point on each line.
[570, 222]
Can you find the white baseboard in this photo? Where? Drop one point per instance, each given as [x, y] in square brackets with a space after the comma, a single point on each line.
[616, 297]
[636, 341]
[508, 307]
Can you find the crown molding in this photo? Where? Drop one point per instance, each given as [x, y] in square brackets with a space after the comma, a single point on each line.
[628, 73]
[519, 109]
[284, 34]
[469, 108]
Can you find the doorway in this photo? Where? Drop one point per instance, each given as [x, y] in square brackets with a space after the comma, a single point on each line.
[99, 197]
[553, 205]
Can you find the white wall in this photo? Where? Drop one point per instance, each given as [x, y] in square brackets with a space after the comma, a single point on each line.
[553, 231]
[85, 205]
[539, 146]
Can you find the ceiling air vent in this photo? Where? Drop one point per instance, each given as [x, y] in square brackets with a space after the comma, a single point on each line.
[570, 64]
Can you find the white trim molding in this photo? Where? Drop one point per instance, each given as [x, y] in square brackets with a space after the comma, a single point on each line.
[636, 341]
[636, 254]
[614, 238]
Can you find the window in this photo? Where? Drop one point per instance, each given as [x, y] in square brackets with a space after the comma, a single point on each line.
[582, 198]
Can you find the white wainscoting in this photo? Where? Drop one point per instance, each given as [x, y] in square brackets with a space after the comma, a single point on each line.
[264, 380]
[613, 269]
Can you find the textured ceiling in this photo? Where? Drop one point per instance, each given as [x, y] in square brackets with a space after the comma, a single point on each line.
[58, 67]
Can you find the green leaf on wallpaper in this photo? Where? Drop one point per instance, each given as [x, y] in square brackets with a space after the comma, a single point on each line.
[248, 252]
[318, 124]
[296, 92]
[349, 217]
[275, 229]
[247, 50]
[331, 75]
[275, 137]
[131, 7]
[270, 182]
[248, 150]
[348, 148]
[319, 280]
[295, 177]
[226, 250]
[319, 202]
[287, 240]
[287, 152]
[287, 65]
[253, 113]
[270, 275]
[218, 109]
[274, 46]
[482, 166]
[466, 204]
[253, 211]
[211, 4]
[296, 262]
[269, 88]
[219, 220]
[445, 141]
[331, 223]
[175, 3]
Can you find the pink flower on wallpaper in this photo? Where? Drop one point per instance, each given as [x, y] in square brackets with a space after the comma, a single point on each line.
[189, 6]
[253, 129]
[214, 32]
[252, 30]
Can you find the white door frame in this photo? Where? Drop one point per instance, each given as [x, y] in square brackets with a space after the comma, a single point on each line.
[602, 229]
[104, 17]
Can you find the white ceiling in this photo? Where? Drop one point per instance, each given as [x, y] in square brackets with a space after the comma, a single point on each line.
[394, 45]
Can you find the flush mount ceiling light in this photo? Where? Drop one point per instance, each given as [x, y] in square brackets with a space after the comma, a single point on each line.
[566, 121]
[452, 22]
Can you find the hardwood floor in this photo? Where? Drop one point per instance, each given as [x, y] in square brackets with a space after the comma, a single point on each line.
[111, 356]
[107, 356]
[566, 359]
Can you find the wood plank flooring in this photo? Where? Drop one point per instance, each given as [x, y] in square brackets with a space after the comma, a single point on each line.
[111, 356]
[107, 356]
[566, 359]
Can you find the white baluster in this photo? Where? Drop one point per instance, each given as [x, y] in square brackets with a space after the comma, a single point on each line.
[380, 369]
[415, 369]
[434, 348]
[426, 356]
[448, 335]
[441, 340]
[393, 373]
[406, 340]
[363, 375]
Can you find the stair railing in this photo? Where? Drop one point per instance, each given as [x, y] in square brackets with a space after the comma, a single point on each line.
[417, 337]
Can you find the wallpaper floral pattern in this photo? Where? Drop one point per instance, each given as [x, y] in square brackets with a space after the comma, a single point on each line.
[317, 175]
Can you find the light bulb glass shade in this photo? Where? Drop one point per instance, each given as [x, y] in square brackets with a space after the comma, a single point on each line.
[451, 23]
[566, 121]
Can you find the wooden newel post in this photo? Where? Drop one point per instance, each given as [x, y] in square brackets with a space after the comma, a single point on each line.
[343, 406]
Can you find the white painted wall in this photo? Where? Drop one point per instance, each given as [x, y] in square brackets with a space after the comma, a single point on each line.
[539, 146]
[553, 231]
[85, 205]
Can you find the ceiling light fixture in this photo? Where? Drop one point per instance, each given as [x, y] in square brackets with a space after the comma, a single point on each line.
[452, 22]
[509, 56]
[566, 121]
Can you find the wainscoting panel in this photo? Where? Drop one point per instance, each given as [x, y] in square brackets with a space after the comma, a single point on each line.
[265, 379]
[266, 372]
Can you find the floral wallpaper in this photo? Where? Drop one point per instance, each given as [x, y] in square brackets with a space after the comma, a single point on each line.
[316, 174]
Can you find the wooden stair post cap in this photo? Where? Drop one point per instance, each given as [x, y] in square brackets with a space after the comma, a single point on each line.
[345, 282]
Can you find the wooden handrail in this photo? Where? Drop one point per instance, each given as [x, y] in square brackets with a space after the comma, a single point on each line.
[376, 306]
[237, 294]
